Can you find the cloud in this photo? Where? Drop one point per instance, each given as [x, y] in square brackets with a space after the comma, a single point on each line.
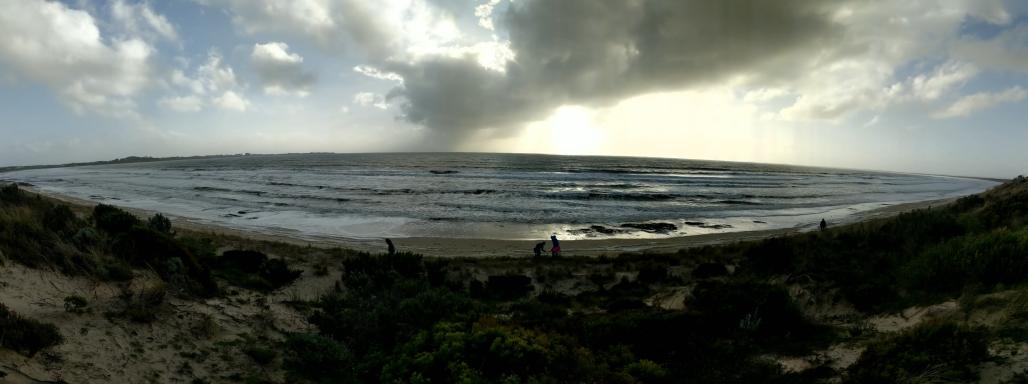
[309, 18]
[583, 52]
[231, 101]
[141, 20]
[970, 104]
[521, 60]
[280, 71]
[214, 75]
[866, 84]
[376, 73]
[395, 29]
[368, 99]
[63, 48]
[948, 76]
[190, 103]
[484, 12]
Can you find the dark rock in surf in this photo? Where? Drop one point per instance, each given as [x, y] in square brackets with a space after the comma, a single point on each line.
[652, 227]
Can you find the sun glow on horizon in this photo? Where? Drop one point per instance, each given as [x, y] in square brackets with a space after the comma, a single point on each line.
[572, 132]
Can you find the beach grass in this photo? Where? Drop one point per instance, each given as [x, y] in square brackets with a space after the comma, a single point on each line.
[735, 312]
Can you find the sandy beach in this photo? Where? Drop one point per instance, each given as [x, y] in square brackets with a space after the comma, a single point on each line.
[479, 248]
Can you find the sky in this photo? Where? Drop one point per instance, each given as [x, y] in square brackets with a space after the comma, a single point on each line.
[912, 86]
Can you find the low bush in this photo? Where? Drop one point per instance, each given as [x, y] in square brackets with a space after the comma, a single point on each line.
[26, 335]
[760, 310]
[316, 358]
[144, 247]
[277, 273]
[159, 223]
[112, 219]
[254, 270]
[651, 272]
[143, 306]
[61, 220]
[243, 260]
[709, 270]
[489, 353]
[261, 354]
[75, 304]
[505, 287]
[931, 352]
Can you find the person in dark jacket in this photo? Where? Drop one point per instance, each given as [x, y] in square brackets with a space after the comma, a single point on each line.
[824, 225]
[539, 248]
[392, 249]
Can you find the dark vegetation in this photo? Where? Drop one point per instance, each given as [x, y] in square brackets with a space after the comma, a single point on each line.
[108, 243]
[915, 258]
[397, 319]
[25, 335]
[932, 352]
[403, 318]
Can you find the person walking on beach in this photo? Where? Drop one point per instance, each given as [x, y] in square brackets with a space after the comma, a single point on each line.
[824, 225]
[555, 249]
[392, 249]
[539, 248]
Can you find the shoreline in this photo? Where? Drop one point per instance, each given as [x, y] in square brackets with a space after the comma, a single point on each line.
[486, 248]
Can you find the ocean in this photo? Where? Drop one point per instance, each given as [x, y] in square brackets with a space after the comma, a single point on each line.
[495, 196]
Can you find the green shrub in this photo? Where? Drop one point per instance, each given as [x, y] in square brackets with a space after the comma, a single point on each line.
[316, 358]
[988, 259]
[113, 220]
[647, 371]
[932, 352]
[243, 260]
[75, 304]
[506, 287]
[144, 247]
[145, 305]
[159, 223]
[254, 270]
[261, 354]
[364, 272]
[652, 272]
[486, 353]
[277, 273]
[60, 219]
[26, 335]
[761, 310]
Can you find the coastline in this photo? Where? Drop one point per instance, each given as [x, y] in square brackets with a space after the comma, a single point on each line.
[485, 248]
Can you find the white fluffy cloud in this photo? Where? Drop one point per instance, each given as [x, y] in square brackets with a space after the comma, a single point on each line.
[140, 19]
[190, 103]
[232, 101]
[280, 71]
[859, 71]
[63, 48]
[213, 82]
[214, 75]
[394, 29]
[972, 103]
[368, 99]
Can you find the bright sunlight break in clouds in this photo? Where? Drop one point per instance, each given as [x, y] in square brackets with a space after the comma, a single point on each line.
[923, 86]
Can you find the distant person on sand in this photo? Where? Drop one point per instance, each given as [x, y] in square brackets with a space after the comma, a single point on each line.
[555, 249]
[392, 249]
[539, 248]
[824, 225]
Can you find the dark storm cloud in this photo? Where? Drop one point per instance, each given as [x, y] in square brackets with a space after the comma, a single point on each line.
[597, 52]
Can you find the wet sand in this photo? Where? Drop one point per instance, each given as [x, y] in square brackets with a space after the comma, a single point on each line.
[459, 247]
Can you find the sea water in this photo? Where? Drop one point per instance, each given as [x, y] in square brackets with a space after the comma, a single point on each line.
[499, 196]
